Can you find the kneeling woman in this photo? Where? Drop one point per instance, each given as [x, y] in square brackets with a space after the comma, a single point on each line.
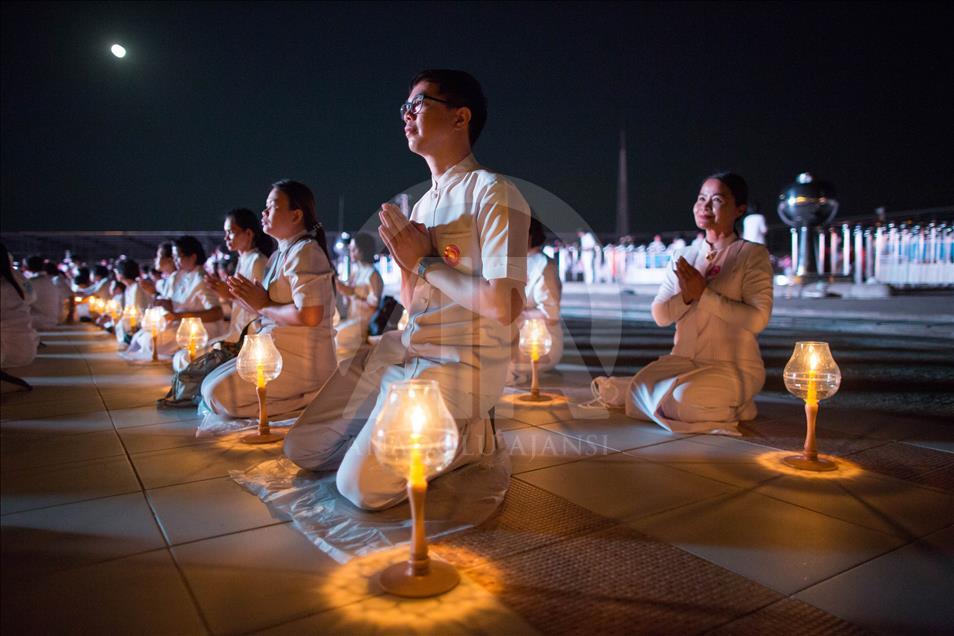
[187, 296]
[295, 304]
[719, 294]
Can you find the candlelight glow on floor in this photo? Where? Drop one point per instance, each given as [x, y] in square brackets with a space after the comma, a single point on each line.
[773, 461]
[353, 581]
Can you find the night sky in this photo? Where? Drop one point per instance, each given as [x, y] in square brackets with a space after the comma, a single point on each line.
[216, 101]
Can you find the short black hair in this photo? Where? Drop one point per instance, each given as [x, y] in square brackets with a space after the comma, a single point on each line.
[736, 185]
[190, 246]
[34, 263]
[128, 269]
[460, 89]
[101, 270]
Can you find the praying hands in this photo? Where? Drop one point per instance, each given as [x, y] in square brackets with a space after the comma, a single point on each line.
[249, 292]
[408, 241]
[691, 282]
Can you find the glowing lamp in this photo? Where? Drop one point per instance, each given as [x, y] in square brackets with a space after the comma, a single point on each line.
[131, 317]
[535, 342]
[95, 305]
[415, 437]
[812, 375]
[260, 362]
[402, 323]
[191, 336]
[154, 321]
[114, 309]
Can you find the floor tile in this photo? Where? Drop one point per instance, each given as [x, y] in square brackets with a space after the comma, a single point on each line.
[717, 457]
[533, 448]
[145, 415]
[905, 591]
[77, 481]
[208, 508]
[467, 609]
[617, 581]
[615, 432]
[139, 439]
[34, 450]
[199, 461]
[780, 545]
[790, 435]
[257, 579]
[528, 518]
[869, 499]
[624, 487]
[789, 616]
[142, 594]
[41, 541]
[67, 424]
[902, 460]
[55, 407]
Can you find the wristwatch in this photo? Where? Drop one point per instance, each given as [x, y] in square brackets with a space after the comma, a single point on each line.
[424, 263]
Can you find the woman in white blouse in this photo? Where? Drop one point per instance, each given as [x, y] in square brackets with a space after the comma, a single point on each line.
[719, 294]
[362, 293]
[295, 304]
[127, 273]
[188, 297]
[543, 290]
[244, 235]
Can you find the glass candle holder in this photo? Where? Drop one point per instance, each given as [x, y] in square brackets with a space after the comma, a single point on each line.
[535, 342]
[812, 375]
[415, 437]
[260, 362]
[191, 336]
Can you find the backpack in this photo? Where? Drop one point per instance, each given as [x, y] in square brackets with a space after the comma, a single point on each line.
[386, 317]
[185, 391]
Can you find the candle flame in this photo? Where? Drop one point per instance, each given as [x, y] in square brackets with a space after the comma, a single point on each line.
[813, 361]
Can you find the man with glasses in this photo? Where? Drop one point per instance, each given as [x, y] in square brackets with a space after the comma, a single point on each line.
[462, 256]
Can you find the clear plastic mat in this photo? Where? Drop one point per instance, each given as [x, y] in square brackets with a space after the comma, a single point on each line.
[456, 501]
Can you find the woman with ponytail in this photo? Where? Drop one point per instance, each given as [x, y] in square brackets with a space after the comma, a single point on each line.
[294, 303]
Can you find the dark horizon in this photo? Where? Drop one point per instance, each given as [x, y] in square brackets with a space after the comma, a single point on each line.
[216, 101]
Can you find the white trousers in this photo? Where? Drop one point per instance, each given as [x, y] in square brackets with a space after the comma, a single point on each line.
[685, 396]
[335, 430]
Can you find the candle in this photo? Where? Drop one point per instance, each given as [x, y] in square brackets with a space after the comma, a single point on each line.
[812, 396]
[416, 469]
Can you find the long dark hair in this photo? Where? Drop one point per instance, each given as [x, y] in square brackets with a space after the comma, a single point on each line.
[248, 220]
[300, 197]
[7, 272]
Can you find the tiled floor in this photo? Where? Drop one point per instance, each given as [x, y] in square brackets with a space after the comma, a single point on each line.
[116, 519]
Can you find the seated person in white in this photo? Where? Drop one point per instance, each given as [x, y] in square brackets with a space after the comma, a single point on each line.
[157, 280]
[720, 297]
[294, 303]
[127, 272]
[543, 291]
[188, 296]
[243, 235]
[46, 310]
[18, 338]
[463, 270]
[362, 294]
[62, 284]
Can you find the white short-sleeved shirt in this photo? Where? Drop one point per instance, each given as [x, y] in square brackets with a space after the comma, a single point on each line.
[188, 291]
[479, 224]
[252, 266]
[299, 272]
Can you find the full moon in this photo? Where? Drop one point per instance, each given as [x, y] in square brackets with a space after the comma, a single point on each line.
[118, 50]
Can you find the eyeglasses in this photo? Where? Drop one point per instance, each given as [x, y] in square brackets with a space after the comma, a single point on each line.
[415, 105]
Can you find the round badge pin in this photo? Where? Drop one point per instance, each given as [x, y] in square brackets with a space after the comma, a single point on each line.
[452, 255]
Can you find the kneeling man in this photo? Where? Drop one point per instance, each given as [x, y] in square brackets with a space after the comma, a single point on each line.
[463, 260]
